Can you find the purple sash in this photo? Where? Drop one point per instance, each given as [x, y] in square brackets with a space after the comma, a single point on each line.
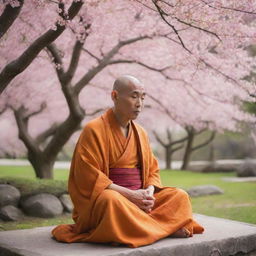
[126, 177]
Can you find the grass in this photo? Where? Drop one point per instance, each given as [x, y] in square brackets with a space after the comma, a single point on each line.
[237, 203]
[32, 222]
[28, 172]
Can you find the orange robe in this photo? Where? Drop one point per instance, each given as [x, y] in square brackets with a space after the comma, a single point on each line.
[104, 215]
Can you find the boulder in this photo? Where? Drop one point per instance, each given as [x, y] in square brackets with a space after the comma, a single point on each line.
[10, 213]
[9, 195]
[218, 168]
[66, 202]
[204, 190]
[42, 205]
[247, 169]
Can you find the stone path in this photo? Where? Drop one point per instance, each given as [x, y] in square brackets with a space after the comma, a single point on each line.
[222, 237]
[175, 164]
[239, 179]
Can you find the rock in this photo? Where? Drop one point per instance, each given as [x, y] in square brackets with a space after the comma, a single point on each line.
[247, 169]
[9, 195]
[10, 213]
[218, 168]
[204, 190]
[66, 202]
[42, 205]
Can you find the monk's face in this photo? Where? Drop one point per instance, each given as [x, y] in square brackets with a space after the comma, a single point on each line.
[129, 101]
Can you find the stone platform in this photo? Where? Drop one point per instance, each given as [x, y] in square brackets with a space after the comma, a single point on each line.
[221, 237]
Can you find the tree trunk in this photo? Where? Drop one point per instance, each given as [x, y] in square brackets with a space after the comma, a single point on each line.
[188, 151]
[212, 154]
[43, 169]
[168, 157]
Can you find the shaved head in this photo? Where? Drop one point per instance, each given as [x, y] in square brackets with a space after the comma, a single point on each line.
[128, 95]
[125, 83]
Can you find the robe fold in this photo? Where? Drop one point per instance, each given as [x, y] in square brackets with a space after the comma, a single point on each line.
[104, 215]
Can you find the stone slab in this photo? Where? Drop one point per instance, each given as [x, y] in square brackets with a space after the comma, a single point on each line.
[221, 237]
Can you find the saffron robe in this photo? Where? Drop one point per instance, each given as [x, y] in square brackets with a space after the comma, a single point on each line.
[104, 215]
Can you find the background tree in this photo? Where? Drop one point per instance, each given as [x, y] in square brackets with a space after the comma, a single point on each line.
[10, 12]
[45, 146]
[169, 146]
[190, 147]
[199, 86]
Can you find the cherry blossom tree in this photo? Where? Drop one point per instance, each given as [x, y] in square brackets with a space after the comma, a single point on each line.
[190, 56]
[44, 147]
[10, 13]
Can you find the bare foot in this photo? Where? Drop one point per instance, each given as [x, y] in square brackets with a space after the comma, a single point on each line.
[181, 233]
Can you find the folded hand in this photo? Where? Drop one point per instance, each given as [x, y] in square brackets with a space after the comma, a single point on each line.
[143, 198]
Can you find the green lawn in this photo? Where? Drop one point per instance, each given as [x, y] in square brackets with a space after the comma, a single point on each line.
[27, 172]
[238, 201]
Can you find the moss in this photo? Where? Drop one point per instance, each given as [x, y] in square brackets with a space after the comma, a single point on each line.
[35, 186]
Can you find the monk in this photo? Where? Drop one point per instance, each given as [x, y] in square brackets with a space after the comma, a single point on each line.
[114, 181]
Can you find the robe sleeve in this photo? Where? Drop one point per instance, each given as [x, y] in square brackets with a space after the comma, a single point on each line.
[87, 179]
[153, 169]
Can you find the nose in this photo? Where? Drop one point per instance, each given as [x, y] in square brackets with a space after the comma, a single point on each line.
[139, 103]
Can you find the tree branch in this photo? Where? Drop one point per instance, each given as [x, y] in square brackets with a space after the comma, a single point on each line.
[199, 28]
[22, 123]
[74, 61]
[199, 132]
[159, 139]
[171, 115]
[104, 62]
[8, 16]
[42, 107]
[187, 85]
[142, 2]
[189, 129]
[162, 14]
[204, 143]
[179, 141]
[169, 135]
[56, 58]
[165, 2]
[92, 55]
[228, 8]
[218, 71]
[177, 148]
[62, 133]
[17, 66]
[95, 112]
[139, 63]
[47, 133]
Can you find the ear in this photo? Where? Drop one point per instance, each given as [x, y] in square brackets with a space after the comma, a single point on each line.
[114, 95]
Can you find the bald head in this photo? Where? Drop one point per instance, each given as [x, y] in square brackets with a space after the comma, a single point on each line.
[126, 83]
[128, 95]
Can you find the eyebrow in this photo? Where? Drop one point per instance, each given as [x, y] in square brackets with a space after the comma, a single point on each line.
[138, 92]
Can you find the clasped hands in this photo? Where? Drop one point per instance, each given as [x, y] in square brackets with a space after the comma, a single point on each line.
[143, 198]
